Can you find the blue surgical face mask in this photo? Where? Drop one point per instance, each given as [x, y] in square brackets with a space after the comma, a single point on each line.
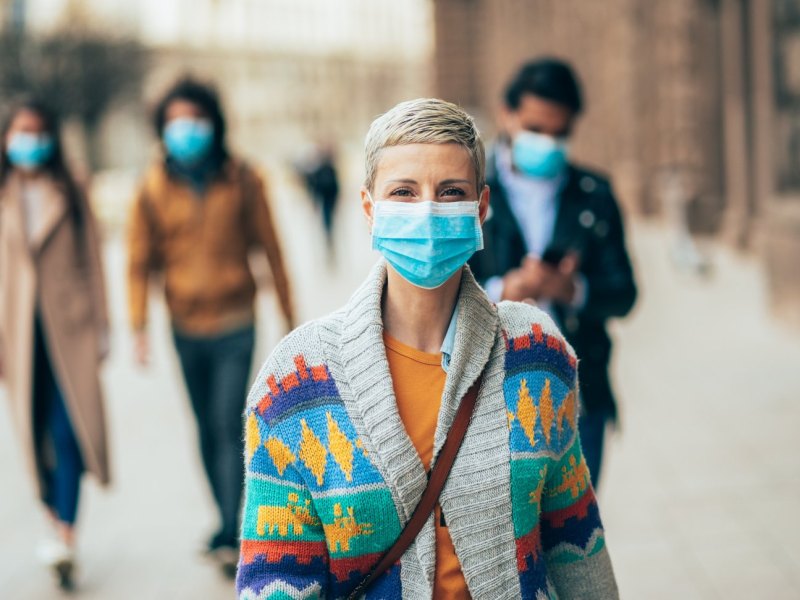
[426, 242]
[539, 155]
[188, 141]
[30, 151]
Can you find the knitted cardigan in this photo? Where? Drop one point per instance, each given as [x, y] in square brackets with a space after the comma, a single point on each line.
[332, 476]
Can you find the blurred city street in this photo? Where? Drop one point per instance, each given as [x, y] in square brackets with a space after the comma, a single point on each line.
[690, 109]
[701, 487]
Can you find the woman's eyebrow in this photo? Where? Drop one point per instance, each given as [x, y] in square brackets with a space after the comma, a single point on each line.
[452, 181]
[411, 181]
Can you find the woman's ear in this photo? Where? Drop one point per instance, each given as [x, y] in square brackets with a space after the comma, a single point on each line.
[483, 204]
[366, 206]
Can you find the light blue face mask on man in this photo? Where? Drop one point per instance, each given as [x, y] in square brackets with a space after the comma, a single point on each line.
[426, 242]
[188, 141]
[539, 155]
[30, 150]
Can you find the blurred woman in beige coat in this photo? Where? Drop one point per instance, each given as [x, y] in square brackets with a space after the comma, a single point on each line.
[53, 321]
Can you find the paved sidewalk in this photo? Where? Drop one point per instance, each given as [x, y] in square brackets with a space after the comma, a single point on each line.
[702, 491]
[700, 496]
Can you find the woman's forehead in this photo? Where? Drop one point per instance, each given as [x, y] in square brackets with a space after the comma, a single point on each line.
[423, 162]
[27, 120]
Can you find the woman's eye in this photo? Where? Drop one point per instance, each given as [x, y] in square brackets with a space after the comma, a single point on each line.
[453, 192]
[405, 192]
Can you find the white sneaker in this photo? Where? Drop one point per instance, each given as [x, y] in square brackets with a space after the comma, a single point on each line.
[60, 558]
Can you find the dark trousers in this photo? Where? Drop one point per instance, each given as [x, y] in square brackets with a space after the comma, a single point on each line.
[55, 438]
[217, 370]
[592, 431]
[328, 204]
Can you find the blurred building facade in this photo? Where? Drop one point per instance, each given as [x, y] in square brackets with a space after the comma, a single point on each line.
[698, 96]
[702, 94]
[291, 72]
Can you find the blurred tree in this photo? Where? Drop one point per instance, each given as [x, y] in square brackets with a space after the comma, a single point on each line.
[80, 73]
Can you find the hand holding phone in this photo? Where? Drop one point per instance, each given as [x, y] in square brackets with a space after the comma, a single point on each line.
[552, 255]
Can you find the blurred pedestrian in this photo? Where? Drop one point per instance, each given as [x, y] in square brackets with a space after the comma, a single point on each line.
[353, 416]
[53, 321]
[198, 213]
[555, 236]
[323, 185]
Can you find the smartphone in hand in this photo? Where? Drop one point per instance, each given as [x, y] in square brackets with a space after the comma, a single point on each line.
[553, 255]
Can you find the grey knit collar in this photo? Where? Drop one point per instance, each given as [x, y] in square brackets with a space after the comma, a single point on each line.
[370, 396]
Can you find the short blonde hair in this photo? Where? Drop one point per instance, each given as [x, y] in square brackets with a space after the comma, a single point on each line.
[424, 121]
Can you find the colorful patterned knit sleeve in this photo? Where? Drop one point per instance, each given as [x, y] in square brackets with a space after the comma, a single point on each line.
[283, 551]
[561, 549]
[572, 533]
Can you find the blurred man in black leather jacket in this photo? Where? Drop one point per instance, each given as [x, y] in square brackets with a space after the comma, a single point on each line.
[555, 235]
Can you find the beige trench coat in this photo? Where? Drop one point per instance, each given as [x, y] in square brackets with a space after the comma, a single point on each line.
[60, 272]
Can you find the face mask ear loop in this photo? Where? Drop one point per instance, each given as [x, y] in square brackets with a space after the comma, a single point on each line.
[372, 217]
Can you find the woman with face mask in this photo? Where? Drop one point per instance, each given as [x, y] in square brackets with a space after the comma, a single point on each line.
[53, 322]
[357, 419]
[198, 213]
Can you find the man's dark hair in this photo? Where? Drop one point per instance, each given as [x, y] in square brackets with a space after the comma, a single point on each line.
[204, 96]
[548, 78]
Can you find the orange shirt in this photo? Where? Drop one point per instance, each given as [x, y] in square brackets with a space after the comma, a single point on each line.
[418, 380]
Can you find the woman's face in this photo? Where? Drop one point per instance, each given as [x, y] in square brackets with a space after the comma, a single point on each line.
[419, 172]
[27, 144]
[25, 121]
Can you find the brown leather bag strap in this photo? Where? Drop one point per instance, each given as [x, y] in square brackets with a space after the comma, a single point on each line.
[436, 480]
